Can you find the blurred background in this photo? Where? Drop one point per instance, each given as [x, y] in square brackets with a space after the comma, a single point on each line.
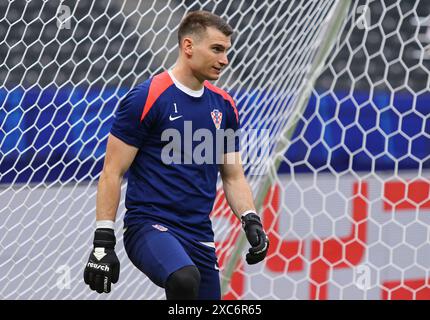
[348, 210]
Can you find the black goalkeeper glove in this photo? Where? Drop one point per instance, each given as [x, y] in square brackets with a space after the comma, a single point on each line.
[102, 267]
[256, 236]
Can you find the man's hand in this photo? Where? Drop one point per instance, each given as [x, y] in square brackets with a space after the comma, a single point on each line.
[102, 267]
[256, 237]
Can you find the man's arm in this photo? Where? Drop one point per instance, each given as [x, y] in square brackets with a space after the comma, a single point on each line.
[239, 196]
[103, 265]
[236, 188]
[118, 159]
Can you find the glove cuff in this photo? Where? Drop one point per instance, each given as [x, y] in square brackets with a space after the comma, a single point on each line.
[250, 219]
[104, 237]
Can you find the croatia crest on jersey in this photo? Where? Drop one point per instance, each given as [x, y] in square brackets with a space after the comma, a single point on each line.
[216, 118]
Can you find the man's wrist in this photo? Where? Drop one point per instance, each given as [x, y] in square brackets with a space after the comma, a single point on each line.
[244, 214]
[105, 224]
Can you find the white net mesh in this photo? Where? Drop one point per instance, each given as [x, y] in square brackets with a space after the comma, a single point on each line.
[346, 212]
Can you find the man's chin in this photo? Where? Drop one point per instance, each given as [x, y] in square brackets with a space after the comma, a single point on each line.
[212, 77]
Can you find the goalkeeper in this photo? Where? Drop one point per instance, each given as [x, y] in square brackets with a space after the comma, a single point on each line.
[167, 230]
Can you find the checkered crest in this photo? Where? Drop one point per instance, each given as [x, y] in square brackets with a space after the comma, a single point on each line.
[217, 118]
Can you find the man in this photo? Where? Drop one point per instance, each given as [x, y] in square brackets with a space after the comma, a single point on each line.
[168, 234]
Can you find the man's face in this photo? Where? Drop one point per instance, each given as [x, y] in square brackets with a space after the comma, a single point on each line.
[209, 54]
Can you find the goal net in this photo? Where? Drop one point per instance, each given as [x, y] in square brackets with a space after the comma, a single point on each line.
[333, 100]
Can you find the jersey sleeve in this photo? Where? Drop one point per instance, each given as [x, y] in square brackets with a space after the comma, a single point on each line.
[232, 140]
[127, 125]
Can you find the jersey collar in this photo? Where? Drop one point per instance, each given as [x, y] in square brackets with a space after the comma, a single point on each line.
[180, 86]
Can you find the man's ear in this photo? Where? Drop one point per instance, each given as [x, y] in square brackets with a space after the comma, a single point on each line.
[187, 46]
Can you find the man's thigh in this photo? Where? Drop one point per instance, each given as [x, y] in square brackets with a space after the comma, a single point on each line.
[204, 257]
[155, 252]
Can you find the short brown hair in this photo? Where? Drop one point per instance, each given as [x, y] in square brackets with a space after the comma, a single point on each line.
[196, 22]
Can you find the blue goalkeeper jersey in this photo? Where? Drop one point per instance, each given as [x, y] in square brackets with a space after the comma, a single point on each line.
[172, 180]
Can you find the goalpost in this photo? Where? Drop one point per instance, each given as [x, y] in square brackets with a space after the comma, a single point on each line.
[337, 89]
[333, 21]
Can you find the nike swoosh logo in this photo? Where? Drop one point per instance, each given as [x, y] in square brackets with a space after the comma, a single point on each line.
[174, 118]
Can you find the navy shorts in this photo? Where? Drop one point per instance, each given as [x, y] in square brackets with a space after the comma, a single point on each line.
[158, 252]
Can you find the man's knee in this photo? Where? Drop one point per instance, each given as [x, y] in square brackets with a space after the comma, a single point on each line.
[183, 284]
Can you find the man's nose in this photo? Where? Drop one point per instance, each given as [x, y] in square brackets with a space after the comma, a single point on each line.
[224, 60]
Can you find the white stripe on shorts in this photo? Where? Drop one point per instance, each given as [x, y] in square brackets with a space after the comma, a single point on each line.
[209, 244]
